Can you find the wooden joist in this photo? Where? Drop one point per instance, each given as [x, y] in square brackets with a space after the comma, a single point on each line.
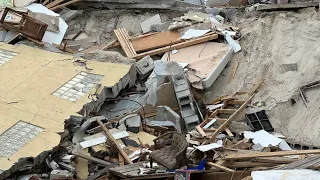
[176, 46]
[124, 40]
[45, 2]
[220, 167]
[54, 3]
[111, 138]
[227, 111]
[249, 164]
[270, 154]
[63, 5]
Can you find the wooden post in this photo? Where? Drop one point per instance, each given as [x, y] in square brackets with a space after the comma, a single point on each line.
[110, 137]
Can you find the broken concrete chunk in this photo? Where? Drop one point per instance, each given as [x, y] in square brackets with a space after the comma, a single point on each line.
[167, 68]
[133, 123]
[68, 14]
[55, 174]
[146, 25]
[165, 113]
[160, 27]
[144, 66]
[178, 25]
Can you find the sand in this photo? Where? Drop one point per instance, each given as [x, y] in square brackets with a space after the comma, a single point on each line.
[271, 39]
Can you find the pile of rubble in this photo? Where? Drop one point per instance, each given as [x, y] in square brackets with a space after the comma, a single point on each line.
[140, 115]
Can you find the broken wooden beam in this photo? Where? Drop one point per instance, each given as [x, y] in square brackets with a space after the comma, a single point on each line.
[270, 154]
[111, 138]
[63, 5]
[220, 167]
[54, 3]
[249, 164]
[96, 160]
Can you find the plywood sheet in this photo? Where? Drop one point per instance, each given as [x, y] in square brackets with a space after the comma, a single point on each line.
[155, 41]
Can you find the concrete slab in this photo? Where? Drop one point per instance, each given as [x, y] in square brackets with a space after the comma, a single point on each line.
[28, 82]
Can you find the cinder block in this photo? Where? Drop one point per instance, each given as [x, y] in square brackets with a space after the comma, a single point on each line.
[182, 94]
[191, 122]
[184, 100]
[111, 92]
[144, 66]
[181, 87]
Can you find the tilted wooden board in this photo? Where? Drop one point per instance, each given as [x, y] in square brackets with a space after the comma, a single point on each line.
[154, 41]
[270, 154]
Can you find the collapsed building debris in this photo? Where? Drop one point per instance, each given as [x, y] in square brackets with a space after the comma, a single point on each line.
[135, 104]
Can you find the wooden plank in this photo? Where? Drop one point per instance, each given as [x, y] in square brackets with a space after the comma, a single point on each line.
[111, 138]
[211, 130]
[231, 118]
[111, 44]
[121, 160]
[115, 42]
[235, 102]
[228, 132]
[227, 111]
[220, 167]
[221, 120]
[156, 41]
[177, 46]
[255, 88]
[64, 4]
[247, 178]
[100, 161]
[124, 40]
[123, 43]
[126, 36]
[233, 72]
[200, 130]
[45, 2]
[276, 160]
[249, 164]
[54, 3]
[270, 154]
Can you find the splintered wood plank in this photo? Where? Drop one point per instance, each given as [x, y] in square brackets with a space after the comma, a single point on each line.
[227, 111]
[156, 41]
[228, 132]
[249, 164]
[45, 2]
[200, 130]
[54, 3]
[111, 138]
[63, 5]
[231, 118]
[220, 167]
[177, 46]
[270, 154]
